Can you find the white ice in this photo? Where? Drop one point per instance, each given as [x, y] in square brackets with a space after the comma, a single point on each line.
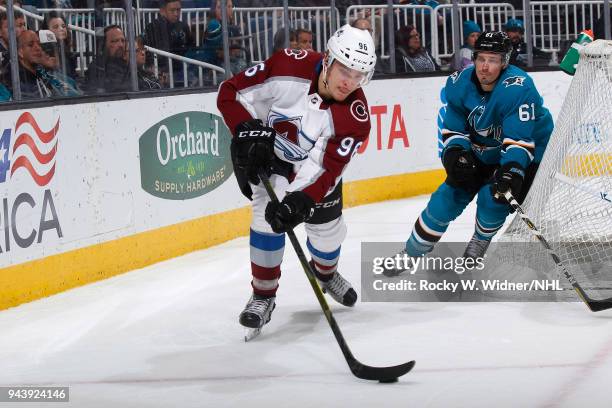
[168, 336]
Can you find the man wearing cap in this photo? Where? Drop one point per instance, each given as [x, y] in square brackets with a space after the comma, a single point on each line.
[35, 80]
[50, 69]
[213, 39]
[515, 29]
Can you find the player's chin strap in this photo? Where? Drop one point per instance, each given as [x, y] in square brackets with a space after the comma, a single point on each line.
[326, 64]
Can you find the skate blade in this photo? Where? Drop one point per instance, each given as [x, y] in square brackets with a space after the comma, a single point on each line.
[250, 334]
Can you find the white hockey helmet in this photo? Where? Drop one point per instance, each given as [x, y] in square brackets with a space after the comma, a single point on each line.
[354, 48]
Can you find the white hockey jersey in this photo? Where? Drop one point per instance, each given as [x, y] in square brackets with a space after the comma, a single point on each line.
[318, 137]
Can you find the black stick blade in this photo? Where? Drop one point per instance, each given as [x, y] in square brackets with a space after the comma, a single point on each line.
[379, 373]
[599, 305]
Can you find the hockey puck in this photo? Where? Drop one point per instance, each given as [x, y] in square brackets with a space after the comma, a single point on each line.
[389, 381]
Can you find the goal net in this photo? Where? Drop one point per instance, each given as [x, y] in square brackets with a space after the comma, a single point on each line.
[570, 201]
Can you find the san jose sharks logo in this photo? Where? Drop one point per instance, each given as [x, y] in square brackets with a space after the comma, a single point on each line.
[455, 76]
[515, 80]
[475, 116]
[491, 131]
[288, 136]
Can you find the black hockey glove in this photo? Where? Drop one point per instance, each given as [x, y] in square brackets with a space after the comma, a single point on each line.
[253, 149]
[510, 176]
[295, 208]
[460, 166]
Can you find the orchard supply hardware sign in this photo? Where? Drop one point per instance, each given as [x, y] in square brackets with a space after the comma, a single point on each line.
[185, 156]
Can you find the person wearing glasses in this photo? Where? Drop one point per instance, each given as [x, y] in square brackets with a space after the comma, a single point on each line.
[146, 77]
[410, 55]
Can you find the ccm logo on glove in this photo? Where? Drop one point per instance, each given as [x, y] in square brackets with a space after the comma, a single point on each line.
[256, 133]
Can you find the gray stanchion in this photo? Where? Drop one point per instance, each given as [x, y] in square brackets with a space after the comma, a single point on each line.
[528, 31]
[607, 28]
[286, 22]
[332, 15]
[456, 18]
[129, 12]
[13, 51]
[391, 35]
[225, 30]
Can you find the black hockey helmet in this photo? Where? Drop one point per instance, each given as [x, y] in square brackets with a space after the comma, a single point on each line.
[494, 41]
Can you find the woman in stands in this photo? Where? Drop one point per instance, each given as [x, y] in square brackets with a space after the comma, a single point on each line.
[55, 22]
[410, 55]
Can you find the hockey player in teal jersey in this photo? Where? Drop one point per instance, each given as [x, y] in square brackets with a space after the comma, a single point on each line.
[494, 134]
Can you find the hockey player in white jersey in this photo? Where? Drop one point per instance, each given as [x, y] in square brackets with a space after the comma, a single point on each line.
[300, 116]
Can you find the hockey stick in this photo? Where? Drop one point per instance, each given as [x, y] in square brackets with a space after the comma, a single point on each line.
[358, 369]
[594, 305]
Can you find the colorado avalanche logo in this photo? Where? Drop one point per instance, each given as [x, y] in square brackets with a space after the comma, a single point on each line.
[287, 141]
[359, 111]
[297, 54]
[515, 80]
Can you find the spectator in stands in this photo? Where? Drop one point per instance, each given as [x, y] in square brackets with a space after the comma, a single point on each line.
[67, 59]
[20, 26]
[169, 33]
[279, 40]
[213, 41]
[515, 29]
[50, 66]
[304, 39]
[109, 71]
[36, 81]
[410, 55]
[48, 43]
[146, 78]
[426, 26]
[471, 32]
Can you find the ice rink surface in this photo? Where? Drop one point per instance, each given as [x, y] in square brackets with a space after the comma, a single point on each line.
[168, 336]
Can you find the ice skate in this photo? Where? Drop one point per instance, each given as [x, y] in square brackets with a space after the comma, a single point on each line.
[339, 288]
[476, 248]
[256, 313]
[403, 263]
